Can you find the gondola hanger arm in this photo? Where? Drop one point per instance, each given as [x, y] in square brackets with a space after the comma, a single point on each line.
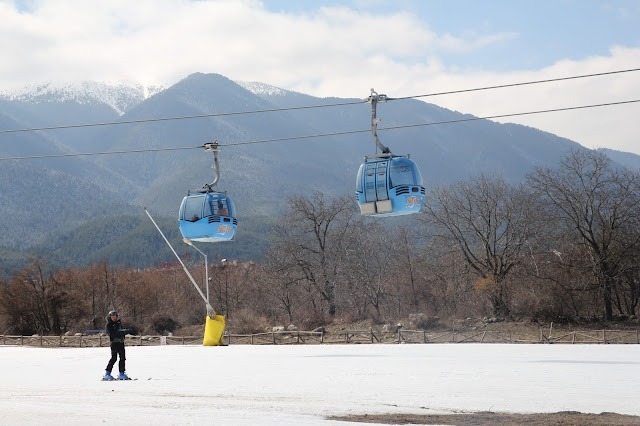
[213, 147]
[373, 99]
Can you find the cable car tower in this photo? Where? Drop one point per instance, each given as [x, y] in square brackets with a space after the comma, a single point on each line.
[387, 184]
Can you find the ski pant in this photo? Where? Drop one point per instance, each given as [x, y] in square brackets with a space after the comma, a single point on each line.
[117, 350]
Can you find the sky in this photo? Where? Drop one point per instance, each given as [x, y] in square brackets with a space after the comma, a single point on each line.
[305, 384]
[344, 48]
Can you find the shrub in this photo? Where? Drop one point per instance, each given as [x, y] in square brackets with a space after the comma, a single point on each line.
[246, 321]
[162, 324]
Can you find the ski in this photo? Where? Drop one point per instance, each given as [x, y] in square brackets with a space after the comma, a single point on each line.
[118, 380]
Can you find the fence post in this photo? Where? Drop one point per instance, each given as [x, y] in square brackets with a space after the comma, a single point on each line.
[604, 336]
[273, 336]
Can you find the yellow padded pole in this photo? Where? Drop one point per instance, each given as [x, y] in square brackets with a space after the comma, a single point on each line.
[213, 329]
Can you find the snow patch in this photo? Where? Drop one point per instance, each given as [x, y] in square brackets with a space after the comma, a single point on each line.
[261, 89]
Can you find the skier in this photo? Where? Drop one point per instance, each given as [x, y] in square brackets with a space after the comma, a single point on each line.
[116, 337]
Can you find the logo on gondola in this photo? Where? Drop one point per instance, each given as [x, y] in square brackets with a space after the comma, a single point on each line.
[413, 201]
[224, 229]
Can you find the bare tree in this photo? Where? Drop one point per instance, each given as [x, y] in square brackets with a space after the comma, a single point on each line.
[282, 289]
[371, 259]
[628, 298]
[312, 241]
[407, 264]
[36, 302]
[599, 205]
[492, 223]
[447, 281]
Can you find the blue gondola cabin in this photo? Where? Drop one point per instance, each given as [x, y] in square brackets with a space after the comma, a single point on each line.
[389, 186]
[207, 217]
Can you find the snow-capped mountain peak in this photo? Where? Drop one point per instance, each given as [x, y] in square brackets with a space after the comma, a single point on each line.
[121, 96]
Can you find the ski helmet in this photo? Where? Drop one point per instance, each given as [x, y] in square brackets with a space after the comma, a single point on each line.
[112, 313]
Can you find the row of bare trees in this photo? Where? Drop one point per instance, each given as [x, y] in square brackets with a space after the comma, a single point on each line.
[565, 243]
[155, 300]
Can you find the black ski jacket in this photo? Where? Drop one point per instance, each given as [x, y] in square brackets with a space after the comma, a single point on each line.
[114, 330]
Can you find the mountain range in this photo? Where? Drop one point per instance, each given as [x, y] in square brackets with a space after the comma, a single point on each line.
[82, 208]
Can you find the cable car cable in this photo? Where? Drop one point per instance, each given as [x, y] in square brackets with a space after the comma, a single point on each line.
[514, 84]
[186, 117]
[406, 126]
[150, 120]
[84, 154]
[515, 114]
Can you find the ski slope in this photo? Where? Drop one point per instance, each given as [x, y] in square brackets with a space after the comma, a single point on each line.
[302, 385]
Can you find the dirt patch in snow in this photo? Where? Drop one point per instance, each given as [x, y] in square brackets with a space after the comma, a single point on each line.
[565, 418]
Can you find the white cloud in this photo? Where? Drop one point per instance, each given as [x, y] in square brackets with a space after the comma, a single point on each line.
[165, 40]
[332, 51]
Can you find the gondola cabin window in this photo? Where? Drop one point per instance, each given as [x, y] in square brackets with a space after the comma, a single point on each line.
[404, 172]
[193, 208]
[219, 204]
[359, 178]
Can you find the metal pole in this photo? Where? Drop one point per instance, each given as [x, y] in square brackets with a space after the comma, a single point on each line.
[206, 270]
[206, 276]
[226, 287]
[209, 307]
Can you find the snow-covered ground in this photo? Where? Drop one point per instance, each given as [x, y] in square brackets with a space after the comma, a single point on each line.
[302, 385]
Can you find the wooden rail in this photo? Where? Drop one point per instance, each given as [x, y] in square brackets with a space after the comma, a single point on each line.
[276, 338]
[344, 337]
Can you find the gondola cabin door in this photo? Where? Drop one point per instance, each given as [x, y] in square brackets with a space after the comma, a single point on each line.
[375, 184]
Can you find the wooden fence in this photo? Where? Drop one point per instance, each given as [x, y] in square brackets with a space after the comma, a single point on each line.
[344, 337]
[90, 341]
[276, 338]
[573, 337]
